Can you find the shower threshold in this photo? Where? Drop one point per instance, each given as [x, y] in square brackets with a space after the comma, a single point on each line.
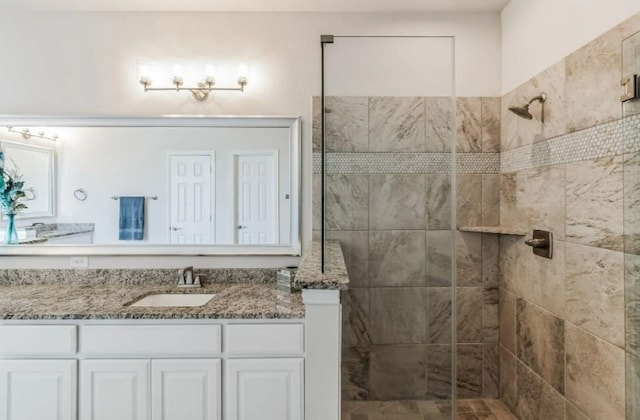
[467, 409]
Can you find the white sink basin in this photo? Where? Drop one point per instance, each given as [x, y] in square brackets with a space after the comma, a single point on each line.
[174, 299]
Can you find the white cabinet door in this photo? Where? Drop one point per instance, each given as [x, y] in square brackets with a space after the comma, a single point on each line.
[185, 389]
[263, 389]
[114, 389]
[37, 389]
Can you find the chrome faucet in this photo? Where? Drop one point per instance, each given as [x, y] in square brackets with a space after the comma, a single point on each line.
[187, 279]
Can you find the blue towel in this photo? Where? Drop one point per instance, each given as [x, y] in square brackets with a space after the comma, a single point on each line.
[131, 218]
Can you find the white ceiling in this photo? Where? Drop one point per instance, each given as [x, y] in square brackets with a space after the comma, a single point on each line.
[360, 6]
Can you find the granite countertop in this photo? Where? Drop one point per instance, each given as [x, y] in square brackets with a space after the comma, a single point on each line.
[109, 301]
[310, 275]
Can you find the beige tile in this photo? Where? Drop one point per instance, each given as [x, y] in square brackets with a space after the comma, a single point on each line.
[438, 201]
[439, 122]
[397, 124]
[631, 198]
[594, 375]
[594, 204]
[355, 317]
[594, 291]
[490, 315]
[541, 280]
[398, 372]
[469, 369]
[347, 124]
[397, 258]
[490, 371]
[590, 73]
[439, 314]
[347, 202]
[491, 200]
[316, 197]
[509, 258]
[633, 386]
[355, 248]
[508, 320]
[470, 301]
[439, 378]
[508, 206]
[491, 115]
[536, 399]
[632, 303]
[490, 260]
[439, 261]
[540, 199]
[509, 138]
[469, 200]
[355, 373]
[398, 315]
[469, 126]
[397, 201]
[508, 383]
[540, 343]
[573, 413]
[469, 258]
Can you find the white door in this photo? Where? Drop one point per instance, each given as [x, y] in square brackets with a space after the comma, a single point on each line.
[37, 390]
[190, 192]
[185, 389]
[263, 389]
[114, 389]
[256, 198]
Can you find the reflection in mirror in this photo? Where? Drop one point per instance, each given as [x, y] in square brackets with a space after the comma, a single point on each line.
[631, 69]
[166, 182]
[35, 165]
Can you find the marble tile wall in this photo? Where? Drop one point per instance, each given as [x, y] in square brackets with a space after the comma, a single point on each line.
[389, 203]
[570, 324]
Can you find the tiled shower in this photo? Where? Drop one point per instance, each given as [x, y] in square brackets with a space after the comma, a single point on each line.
[554, 338]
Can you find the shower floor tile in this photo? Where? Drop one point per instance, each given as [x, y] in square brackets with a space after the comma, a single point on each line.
[425, 410]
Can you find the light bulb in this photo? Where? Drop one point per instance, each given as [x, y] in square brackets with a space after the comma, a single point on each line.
[243, 73]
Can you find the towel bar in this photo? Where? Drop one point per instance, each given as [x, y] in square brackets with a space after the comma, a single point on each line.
[154, 197]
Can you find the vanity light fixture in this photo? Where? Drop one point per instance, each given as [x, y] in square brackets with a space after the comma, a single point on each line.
[27, 134]
[202, 89]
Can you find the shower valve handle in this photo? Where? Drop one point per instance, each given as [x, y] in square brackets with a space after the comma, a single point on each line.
[537, 243]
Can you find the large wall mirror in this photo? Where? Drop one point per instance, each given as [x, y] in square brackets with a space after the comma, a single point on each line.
[158, 185]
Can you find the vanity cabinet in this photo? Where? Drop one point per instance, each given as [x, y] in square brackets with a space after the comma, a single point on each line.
[263, 389]
[153, 371]
[38, 389]
[177, 389]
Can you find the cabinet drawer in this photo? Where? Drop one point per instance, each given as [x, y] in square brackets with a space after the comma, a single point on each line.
[150, 340]
[52, 340]
[264, 339]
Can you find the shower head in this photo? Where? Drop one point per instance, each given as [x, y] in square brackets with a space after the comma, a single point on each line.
[523, 111]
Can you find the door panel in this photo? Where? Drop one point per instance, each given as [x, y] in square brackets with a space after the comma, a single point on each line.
[186, 389]
[191, 187]
[114, 389]
[263, 389]
[38, 389]
[256, 196]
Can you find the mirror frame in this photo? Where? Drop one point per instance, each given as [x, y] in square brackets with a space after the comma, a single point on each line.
[51, 158]
[292, 123]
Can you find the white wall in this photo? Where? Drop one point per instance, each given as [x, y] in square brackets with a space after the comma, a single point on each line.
[85, 63]
[539, 33]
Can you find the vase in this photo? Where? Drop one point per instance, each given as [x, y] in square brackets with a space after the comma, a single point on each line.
[11, 233]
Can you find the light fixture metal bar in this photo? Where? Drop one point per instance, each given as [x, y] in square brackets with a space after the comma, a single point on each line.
[27, 134]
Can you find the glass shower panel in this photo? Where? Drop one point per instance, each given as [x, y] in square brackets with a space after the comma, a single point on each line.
[631, 136]
[389, 197]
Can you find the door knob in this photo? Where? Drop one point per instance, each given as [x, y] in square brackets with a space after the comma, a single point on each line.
[174, 228]
[241, 227]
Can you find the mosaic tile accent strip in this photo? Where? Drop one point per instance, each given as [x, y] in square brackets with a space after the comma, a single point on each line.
[407, 163]
[609, 139]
